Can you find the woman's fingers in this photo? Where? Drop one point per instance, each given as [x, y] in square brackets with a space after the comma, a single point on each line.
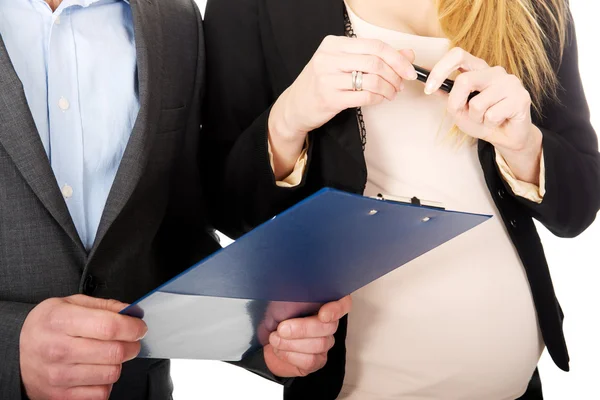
[399, 63]
[335, 310]
[318, 345]
[304, 363]
[456, 59]
[360, 99]
[369, 64]
[306, 328]
[370, 83]
[324, 88]
[480, 104]
[482, 81]
[409, 54]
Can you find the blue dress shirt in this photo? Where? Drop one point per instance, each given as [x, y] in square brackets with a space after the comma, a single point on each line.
[78, 69]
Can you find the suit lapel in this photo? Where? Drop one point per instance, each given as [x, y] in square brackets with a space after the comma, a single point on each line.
[21, 140]
[299, 27]
[148, 34]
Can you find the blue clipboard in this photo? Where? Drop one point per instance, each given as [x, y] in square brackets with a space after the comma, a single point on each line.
[321, 249]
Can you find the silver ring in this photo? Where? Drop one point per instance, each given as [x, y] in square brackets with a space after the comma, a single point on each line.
[357, 81]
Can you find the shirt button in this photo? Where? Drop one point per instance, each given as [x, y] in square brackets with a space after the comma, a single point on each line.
[501, 193]
[63, 104]
[57, 20]
[513, 223]
[67, 191]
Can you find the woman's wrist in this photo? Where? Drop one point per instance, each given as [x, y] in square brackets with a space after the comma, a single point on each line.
[525, 162]
[286, 143]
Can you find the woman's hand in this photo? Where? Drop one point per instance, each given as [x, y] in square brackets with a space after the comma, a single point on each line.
[324, 89]
[500, 114]
[299, 346]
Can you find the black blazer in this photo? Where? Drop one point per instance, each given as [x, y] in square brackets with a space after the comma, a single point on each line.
[256, 49]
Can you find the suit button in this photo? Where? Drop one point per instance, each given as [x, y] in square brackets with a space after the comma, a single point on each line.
[89, 285]
[513, 223]
[501, 193]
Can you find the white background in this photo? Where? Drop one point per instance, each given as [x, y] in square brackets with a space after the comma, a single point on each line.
[575, 266]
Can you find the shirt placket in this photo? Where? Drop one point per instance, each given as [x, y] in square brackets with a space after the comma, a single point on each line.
[66, 131]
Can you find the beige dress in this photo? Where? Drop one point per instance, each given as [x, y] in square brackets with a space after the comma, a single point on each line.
[458, 322]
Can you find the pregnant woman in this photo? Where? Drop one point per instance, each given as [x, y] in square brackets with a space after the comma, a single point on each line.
[326, 93]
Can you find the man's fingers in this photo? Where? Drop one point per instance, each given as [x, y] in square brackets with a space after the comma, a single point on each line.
[306, 346]
[303, 328]
[93, 302]
[335, 310]
[83, 375]
[87, 393]
[77, 350]
[77, 321]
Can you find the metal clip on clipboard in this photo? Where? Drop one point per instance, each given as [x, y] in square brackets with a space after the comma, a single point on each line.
[414, 201]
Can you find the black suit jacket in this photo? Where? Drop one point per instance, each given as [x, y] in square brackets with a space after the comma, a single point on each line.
[257, 48]
[155, 223]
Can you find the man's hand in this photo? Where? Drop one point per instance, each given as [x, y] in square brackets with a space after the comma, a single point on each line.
[299, 346]
[73, 348]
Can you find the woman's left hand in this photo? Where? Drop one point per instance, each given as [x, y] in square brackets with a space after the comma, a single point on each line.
[500, 114]
[299, 346]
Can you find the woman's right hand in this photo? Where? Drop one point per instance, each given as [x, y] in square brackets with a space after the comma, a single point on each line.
[324, 89]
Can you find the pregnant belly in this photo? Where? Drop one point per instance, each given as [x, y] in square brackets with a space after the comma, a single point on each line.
[457, 323]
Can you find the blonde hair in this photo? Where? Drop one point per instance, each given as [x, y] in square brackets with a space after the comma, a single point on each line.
[526, 37]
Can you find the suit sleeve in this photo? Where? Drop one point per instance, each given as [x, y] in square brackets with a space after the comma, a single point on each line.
[235, 153]
[571, 157]
[12, 316]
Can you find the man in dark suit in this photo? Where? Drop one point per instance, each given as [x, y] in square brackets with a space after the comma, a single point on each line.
[101, 196]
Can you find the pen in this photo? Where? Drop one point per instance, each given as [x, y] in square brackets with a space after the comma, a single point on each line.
[447, 85]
